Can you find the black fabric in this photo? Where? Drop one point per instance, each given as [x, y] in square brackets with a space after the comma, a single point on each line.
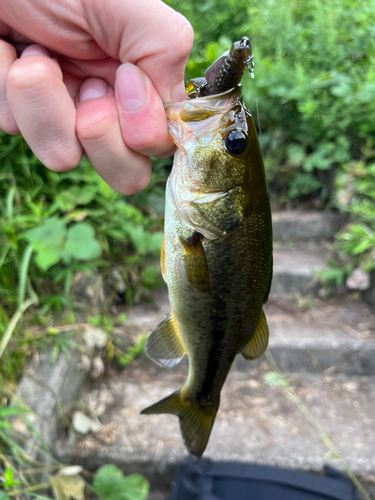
[206, 480]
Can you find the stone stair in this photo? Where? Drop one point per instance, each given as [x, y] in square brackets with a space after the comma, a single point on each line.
[325, 348]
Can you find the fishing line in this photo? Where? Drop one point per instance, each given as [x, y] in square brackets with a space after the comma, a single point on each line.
[259, 127]
[250, 66]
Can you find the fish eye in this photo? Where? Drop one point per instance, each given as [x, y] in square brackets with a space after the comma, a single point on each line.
[235, 142]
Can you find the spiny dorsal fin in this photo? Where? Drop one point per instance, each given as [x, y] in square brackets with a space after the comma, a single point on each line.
[195, 263]
[259, 340]
[164, 345]
[196, 420]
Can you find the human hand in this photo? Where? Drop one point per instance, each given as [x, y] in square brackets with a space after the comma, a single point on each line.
[91, 78]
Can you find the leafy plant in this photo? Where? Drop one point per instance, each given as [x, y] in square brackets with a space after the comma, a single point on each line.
[132, 352]
[110, 484]
[313, 91]
[19, 471]
[68, 223]
[54, 227]
[53, 242]
[354, 247]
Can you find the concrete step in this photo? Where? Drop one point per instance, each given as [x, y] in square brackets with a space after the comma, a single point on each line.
[295, 266]
[296, 317]
[306, 334]
[256, 423]
[305, 226]
[326, 348]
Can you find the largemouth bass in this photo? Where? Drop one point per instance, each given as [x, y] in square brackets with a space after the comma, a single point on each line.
[216, 256]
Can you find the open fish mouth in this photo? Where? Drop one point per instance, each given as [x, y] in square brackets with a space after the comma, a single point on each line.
[200, 117]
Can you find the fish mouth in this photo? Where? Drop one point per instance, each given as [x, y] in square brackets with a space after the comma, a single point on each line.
[196, 120]
[208, 98]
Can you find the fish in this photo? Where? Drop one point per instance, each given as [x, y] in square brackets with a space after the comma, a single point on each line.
[216, 256]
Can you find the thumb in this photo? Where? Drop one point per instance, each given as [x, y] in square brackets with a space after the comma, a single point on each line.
[152, 36]
[165, 63]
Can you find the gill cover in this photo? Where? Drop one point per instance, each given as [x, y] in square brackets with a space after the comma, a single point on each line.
[207, 179]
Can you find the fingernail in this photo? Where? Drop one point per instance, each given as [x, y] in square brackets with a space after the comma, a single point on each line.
[92, 88]
[36, 50]
[130, 87]
[178, 93]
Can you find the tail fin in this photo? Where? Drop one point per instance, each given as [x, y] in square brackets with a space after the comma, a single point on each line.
[196, 420]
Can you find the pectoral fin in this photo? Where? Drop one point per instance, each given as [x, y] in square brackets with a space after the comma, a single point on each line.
[195, 263]
[164, 345]
[259, 340]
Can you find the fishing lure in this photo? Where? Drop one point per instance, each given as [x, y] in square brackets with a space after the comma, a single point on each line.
[225, 73]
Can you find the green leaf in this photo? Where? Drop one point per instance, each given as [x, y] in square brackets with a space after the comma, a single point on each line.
[48, 241]
[110, 484]
[151, 277]
[24, 274]
[83, 195]
[316, 160]
[81, 242]
[363, 246]
[9, 202]
[4, 496]
[47, 257]
[274, 378]
[155, 242]
[8, 476]
[302, 184]
[296, 154]
[66, 201]
[139, 238]
[51, 232]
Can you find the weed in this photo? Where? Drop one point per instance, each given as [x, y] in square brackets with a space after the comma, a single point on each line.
[125, 358]
[20, 472]
[276, 378]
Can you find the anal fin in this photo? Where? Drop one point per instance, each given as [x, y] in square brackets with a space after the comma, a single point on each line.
[259, 340]
[164, 345]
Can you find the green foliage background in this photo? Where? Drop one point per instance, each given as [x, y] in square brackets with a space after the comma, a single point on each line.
[314, 82]
[314, 98]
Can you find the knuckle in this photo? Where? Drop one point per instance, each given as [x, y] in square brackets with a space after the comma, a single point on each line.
[8, 123]
[136, 184]
[143, 141]
[61, 160]
[95, 127]
[30, 74]
[7, 50]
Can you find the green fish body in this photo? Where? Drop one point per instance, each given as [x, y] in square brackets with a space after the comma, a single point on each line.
[216, 256]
